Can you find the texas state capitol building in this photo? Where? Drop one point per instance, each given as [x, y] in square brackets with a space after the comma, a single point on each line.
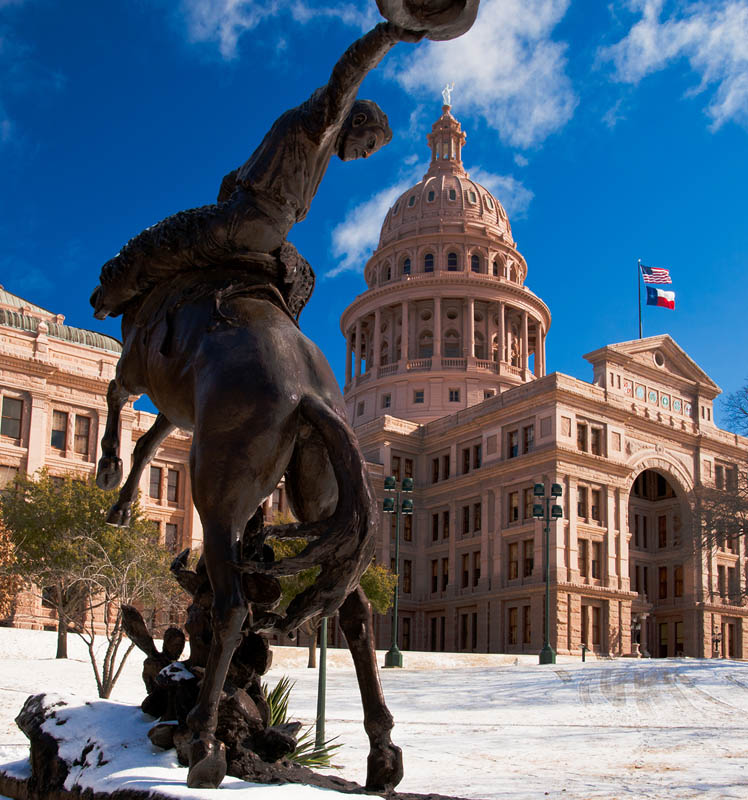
[446, 381]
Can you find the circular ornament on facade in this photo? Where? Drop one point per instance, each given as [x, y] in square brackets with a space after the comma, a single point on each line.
[425, 316]
[652, 396]
[687, 409]
[677, 405]
[659, 358]
[665, 401]
[640, 393]
[478, 316]
[451, 314]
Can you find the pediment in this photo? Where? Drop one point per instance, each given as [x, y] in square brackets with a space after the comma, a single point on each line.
[655, 358]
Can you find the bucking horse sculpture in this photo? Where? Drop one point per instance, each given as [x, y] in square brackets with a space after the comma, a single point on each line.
[210, 300]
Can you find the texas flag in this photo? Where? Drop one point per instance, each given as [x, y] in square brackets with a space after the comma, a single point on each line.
[659, 297]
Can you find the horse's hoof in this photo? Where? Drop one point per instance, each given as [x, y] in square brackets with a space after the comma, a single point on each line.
[207, 763]
[109, 473]
[119, 516]
[384, 768]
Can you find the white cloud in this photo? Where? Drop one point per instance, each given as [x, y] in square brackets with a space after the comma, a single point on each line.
[224, 21]
[712, 37]
[506, 69]
[511, 193]
[354, 239]
[520, 160]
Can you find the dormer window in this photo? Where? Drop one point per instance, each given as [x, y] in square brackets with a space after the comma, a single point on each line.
[452, 194]
[396, 208]
[489, 202]
[472, 197]
[411, 201]
[431, 196]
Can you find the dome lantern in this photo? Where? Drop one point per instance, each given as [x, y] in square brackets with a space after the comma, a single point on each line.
[446, 141]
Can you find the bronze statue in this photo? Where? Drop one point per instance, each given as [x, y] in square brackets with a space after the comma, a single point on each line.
[210, 300]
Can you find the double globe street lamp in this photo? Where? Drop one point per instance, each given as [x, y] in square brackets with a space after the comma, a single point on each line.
[393, 505]
[547, 512]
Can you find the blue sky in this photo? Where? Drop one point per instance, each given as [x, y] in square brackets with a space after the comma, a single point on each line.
[610, 131]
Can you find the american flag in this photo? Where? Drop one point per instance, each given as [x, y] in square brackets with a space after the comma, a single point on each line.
[655, 274]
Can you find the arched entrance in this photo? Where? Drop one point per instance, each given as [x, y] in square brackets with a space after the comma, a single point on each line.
[662, 565]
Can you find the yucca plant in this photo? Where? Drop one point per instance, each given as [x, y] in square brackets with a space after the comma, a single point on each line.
[307, 754]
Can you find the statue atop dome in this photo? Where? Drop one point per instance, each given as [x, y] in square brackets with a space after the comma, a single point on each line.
[447, 94]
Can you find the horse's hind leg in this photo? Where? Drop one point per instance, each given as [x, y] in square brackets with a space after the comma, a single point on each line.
[109, 471]
[385, 762]
[145, 449]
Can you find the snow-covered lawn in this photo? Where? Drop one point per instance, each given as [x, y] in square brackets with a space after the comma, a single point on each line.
[477, 726]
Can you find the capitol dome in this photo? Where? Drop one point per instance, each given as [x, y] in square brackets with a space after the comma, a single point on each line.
[447, 264]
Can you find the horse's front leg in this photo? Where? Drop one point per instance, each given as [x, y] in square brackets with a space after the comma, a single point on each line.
[385, 763]
[109, 471]
[145, 449]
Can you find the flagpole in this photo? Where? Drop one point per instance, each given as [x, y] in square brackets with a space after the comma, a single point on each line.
[639, 288]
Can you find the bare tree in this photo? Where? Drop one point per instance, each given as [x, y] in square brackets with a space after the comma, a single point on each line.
[735, 406]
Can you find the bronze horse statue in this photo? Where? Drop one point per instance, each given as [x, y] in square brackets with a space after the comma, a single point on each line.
[210, 300]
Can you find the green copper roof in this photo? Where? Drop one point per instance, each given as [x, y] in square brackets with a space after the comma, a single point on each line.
[28, 322]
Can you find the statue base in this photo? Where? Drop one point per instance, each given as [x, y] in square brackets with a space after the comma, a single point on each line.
[99, 750]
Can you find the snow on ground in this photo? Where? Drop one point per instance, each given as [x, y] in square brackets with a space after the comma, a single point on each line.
[488, 727]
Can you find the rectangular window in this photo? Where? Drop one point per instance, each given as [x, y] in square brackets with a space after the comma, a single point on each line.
[662, 575]
[465, 520]
[7, 475]
[465, 460]
[406, 633]
[445, 467]
[442, 633]
[418, 396]
[463, 631]
[597, 559]
[582, 545]
[154, 486]
[454, 395]
[474, 630]
[477, 512]
[512, 444]
[360, 409]
[528, 498]
[408, 467]
[434, 527]
[732, 583]
[407, 527]
[386, 400]
[596, 627]
[465, 570]
[513, 560]
[171, 536]
[477, 456]
[582, 436]
[172, 485]
[526, 624]
[513, 507]
[395, 467]
[445, 573]
[585, 625]
[445, 524]
[636, 530]
[721, 581]
[10, 423]
[645, 580]
[638, 579]
[434, 470]
[719, 476]
[407, 576]
[596, 441]
[595, 508]
[662, 531]
[678, 580]
[528, 557]
[528, 438]
[582, 502]
[644, 533]
[59, 430]
[476, 567]
[82, 431]
[512, 629]
[434, 576]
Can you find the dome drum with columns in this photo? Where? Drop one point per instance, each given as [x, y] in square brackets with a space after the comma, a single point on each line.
[447, 264]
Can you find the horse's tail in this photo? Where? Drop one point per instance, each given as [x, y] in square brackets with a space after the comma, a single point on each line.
[342, 545]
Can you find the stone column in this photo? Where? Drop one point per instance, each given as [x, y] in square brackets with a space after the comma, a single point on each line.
[542, 351]
[538, 366]
[348, 354]
[571, 499]
[525, 359]
[359, 347]
[501, 338]
[611, 579]
[404, 332]
[471, 327]
[437, 327]
[624, 579]
[376, 355]
[37, 434]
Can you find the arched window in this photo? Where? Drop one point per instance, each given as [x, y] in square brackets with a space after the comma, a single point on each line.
[431, 196]
[388, 273]
[412, 200]
[384, 353]
[428, 262]
[475, 262]
[452, 344]
[452, 194]
[514, 274]
[452, 262]
[496, 268]
[406, 267]
[425, 345]
[495, 347]
[480, 346]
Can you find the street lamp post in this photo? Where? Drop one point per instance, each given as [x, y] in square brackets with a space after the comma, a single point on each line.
[392, 505]
[547, 654]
